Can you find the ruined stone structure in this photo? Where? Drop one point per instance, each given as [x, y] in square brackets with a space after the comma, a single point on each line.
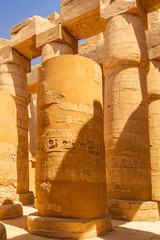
[102, 92]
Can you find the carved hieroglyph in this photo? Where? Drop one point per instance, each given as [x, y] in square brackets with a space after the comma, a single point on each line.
[126, 109]
[70, 166]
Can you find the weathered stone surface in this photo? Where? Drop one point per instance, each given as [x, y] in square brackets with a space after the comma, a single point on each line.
[32, 79]
[153, 18]
[10, 55]
[8, 211]
[2, 232]
[54, 49]
[83, 20]
[153, 81]
[110, 9]
[68, 228]
[54, 17]
[25, 198]
[133, 210]
[70, 154]
[151, 5]
[93, 48]
[153, 41]
[23, 36]
[56, 34]
[4, 42]
[8, 146]
[125, 42]
[126, 109]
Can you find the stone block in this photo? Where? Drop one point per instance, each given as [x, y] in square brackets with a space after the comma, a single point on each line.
[56, 34]
[153, 41]
[153, 18]
[26, 198]
[68, 228]
[9, 211]
[112, 8]
[4, 42]
[151, 5]
[10, 55]
[93, 48]
[54, 17]
[83, 20]
[23, 36]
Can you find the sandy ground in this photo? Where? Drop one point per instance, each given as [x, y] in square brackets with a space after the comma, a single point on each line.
[17, 229]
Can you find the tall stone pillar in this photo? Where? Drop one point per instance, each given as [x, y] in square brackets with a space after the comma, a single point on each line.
[126, 118]
[154, 127]
[13, 80]
[8, 166]
[70, 166]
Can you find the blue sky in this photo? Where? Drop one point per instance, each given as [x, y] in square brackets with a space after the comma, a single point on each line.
[15, 11]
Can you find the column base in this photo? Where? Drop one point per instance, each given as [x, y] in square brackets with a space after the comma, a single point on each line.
[2, 232]
[68, 228]
[25, 198]
[128, 210]
[9, 211]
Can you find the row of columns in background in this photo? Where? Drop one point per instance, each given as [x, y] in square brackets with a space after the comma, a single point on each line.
[130, 170]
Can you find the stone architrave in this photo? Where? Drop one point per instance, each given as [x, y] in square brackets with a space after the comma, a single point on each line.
[70, 165]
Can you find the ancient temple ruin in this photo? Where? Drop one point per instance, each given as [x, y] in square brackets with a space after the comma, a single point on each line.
[80, 132]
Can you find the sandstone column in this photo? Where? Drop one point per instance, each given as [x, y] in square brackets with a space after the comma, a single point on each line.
[126, 115]
[8, 166]
[70, 166]
[13, 80]
[154, 128]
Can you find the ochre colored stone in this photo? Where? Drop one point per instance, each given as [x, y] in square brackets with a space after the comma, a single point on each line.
[62, 228]
[70, 156]
[2, 232]
[125, 43]
[133, 210]
[153, 82]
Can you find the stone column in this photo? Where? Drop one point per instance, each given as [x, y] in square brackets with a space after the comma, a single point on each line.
[54, 49]
[8, 166]
[70, 166]
[126, 117]
[13, 80]
[154, 125]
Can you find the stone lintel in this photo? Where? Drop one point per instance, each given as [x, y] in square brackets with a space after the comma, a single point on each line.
[112, 8]
[151, 5]
[56, 34]
[23, 36]
[153, 41]
[83, 20]
[68, 228]
[88, 18]
[10, 55]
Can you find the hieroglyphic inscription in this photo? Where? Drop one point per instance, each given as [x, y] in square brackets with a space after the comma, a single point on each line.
[63, 140]
[127, 162]
[71, 157]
